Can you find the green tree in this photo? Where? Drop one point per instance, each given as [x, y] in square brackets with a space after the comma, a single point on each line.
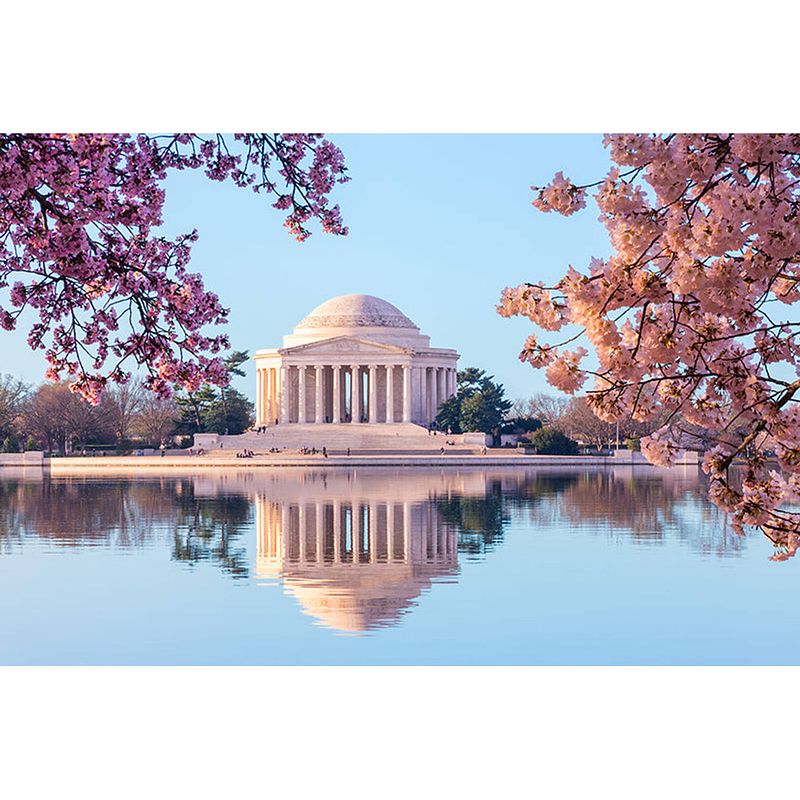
[194, 408]
[217, 410]
[233, 364]
[10, 445]
[548, 441]
[479, 404]
[231, 415]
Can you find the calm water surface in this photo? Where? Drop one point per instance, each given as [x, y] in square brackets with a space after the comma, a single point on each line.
[386, 566]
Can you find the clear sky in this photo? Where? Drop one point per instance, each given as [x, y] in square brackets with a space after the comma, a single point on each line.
[439, 224]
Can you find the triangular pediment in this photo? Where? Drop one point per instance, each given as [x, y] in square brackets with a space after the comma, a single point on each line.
[343, 344]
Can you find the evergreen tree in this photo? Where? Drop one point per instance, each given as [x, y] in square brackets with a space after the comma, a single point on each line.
[479, 404]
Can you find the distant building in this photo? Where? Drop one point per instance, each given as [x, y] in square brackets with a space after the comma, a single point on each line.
[354, 359]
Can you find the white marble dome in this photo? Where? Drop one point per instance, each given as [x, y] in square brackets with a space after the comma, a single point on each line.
[356, 311]
[363, 316]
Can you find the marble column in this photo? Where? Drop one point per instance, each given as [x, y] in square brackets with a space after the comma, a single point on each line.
[406, 393]
[301, 393]
[266, 409]
[259, 396]
[373, 393]
[419, 395]
[355, 393]
[284, 394]
[319, 405]
[431, 378]
[337, 393]
[389, 393]
[439, 388]
[272, 412]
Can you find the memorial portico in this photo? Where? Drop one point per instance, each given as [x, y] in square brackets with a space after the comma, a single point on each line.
[354, 359]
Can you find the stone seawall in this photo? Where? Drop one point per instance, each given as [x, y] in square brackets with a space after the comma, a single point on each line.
[33, 458]
[186, 463]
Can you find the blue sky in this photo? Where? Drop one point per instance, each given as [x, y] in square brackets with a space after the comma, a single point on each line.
[439, 224]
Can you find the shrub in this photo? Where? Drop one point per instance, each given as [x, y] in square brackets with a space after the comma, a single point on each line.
[547, 441]
[10, 445]
[634, 443]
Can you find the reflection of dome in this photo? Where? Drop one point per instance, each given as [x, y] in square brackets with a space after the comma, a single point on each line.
[361, 599]
[356, 311]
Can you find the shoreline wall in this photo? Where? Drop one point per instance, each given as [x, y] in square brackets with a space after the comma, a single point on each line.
[189, 464]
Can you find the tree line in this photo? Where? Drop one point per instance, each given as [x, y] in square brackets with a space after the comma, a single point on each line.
[53, 418]
[555, 424]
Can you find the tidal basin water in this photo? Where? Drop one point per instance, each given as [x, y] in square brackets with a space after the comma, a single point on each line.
[386, 566]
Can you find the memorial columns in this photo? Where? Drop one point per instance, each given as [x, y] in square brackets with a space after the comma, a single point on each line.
[259, 396]
[373, 393]
[406, 393]
[284, 394]
[355, 394]
[272, 413]
[389, 393]
[319, 410]
[430, 375]
[301, 394]
[337, 393]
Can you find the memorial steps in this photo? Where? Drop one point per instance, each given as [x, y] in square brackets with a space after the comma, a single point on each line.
[381, 437]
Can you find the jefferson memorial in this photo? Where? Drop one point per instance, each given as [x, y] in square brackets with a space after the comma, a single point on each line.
[354, 359]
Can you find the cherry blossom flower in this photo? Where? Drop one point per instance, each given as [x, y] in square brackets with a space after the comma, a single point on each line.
[79, 246]
[685, 318]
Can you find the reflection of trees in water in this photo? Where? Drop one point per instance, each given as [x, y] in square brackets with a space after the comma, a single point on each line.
[479, 521]
[209, 530]
[78, 512]
[649, 507]
[646, 507]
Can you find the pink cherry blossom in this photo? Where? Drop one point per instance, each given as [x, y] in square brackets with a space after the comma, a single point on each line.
[79, 246]
[559, 195]
[690, 316]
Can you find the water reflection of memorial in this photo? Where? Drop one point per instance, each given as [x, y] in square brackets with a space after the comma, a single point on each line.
[353, 565]
[356, 548]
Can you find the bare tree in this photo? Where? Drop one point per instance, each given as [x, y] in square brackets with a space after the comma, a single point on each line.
[548, 409]
[58, 418]
[156, 418]
[13, 396]
[44, 416]
[121, 403]
[579, 422]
